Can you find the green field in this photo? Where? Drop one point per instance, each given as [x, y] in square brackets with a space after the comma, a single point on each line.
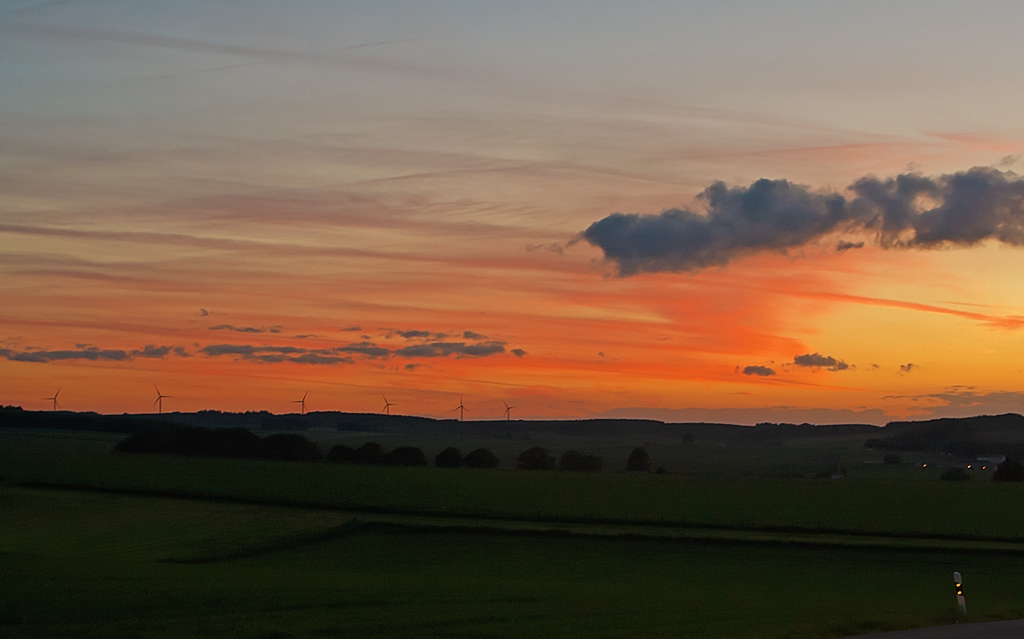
[906, 507]
[265, 549]
[99, 565]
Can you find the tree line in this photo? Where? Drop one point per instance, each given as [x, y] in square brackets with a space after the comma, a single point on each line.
[239, 443]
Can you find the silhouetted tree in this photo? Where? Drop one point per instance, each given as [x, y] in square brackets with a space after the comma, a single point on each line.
[448, 458]
[892, 458]
[955, 474]
[341, 454]
[481, 458]
[289, 447]
[193, 441]
[574, 461]
[405, 456]
[536, 458]
[1009, 470]
[639, 461]
[369, 453]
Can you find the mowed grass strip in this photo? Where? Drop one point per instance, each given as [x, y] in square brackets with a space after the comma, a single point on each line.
[388, 583]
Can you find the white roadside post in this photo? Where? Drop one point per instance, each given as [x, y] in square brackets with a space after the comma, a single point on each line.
[958, 580]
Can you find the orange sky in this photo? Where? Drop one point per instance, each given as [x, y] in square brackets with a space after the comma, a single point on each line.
[269, 226]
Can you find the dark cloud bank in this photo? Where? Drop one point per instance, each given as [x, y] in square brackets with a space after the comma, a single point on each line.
[908, 211]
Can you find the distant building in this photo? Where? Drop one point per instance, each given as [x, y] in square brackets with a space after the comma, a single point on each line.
[992, 459]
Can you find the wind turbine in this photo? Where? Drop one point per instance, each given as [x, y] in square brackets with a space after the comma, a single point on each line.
[159, 403]
[508, 410]
[302, 402]
[387, 405]
[53, 399]
[461, 409]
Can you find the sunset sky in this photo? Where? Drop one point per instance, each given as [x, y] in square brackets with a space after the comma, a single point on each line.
[820, 216]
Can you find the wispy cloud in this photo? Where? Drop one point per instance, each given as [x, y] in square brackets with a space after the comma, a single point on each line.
[245, 329]
[93, 354]
[459, 349]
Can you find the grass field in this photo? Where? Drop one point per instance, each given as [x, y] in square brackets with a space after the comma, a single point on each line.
[386, 552]
[97, 565]
[907, 507]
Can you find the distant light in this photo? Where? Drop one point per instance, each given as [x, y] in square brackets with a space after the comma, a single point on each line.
[968, 466]
[924, 465]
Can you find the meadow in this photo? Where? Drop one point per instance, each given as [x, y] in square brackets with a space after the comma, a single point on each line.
[157, 546]
[97, 565]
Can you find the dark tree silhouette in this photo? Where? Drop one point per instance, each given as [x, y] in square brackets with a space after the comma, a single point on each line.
[574, 461]
[289, 447]
[341, 454]
[481, 458]
[448, 458]
[536, 458]
[1009, 470]
[405, 456]
[639, 461]
[194, 441]
[369, 453]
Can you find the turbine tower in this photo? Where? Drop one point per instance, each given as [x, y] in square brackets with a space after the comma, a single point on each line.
[53, 399]
[508, 410]
[159, 403]
[387, 405]
[301, 402]
[461, 409]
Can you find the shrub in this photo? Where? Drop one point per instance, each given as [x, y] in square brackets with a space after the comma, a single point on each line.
[448, 458]
[289, 447]
[405, 456]
[574, 461]
[1009, 470]
[481, 458]
[536, 458]
[955, 474]
[892, 458]
[639, 461]
[341, 454]
[369, 453]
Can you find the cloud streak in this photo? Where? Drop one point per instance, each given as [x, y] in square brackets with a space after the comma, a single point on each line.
[908, 211]
[245, 329]
[92, 354]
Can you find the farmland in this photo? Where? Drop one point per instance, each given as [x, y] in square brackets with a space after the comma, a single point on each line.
[98, 544]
